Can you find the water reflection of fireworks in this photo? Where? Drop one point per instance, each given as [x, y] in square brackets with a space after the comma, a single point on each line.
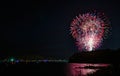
[76, 69]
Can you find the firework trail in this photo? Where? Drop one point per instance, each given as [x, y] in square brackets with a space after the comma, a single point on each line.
[89, 29]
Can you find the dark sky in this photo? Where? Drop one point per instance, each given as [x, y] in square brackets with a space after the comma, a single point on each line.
[42, 27]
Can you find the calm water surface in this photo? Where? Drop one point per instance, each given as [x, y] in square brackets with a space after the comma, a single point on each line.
[61, 69]
[85, 69]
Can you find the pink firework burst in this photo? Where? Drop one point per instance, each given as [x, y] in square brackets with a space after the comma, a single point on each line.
[89, 29]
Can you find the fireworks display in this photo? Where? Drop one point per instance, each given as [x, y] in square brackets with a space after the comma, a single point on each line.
[89, 30]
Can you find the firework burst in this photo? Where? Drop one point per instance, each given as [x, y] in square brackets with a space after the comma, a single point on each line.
[89, 29]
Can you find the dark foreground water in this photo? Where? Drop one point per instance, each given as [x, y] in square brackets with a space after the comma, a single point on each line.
[60, 69]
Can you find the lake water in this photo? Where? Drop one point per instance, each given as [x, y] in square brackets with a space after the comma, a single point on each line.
[60, 69]
[85, 69]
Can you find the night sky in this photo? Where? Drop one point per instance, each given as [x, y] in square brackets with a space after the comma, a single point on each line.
[43, 27]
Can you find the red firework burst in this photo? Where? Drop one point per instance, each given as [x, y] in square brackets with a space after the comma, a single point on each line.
[89, 29]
